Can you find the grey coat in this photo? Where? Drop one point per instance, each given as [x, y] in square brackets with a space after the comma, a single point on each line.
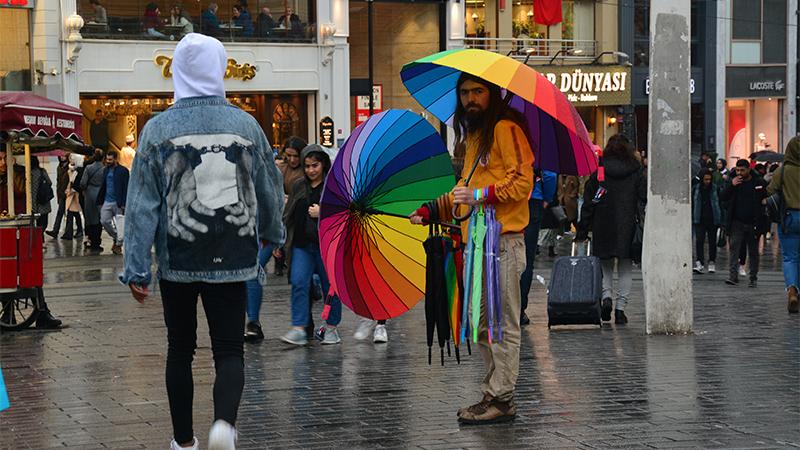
[91, 181]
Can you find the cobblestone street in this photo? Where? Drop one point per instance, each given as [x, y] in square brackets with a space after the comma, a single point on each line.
[99, 383]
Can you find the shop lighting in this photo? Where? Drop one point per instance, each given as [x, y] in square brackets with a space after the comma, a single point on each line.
[530, 13]
[612, 121]
[563, 51]
[474, 17]
[619, 56]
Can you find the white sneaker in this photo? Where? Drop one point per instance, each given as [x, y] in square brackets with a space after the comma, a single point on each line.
[711, 267]
[174, 445]
[698, 267]
[295, 337]
[380, 336]
[331, 337]
[222, 436]
[742, 272]
[364, 329]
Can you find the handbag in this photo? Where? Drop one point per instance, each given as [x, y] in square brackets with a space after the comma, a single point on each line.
[722, 237]
[44, 193]
[776, 205]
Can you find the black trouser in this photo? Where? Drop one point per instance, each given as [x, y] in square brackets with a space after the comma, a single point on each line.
[536, 211]
[62, 206]
[41, 222]
[73, 216]
[225, 305]
[743, 234]
[701, 231]
[93, 232]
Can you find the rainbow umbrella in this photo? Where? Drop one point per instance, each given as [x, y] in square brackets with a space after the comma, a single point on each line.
[374, 257]
[556, 132]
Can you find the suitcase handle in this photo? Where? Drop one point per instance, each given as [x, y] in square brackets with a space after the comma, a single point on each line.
[588, 248]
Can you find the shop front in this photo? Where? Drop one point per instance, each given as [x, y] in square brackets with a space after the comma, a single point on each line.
[130, 82]
[598, 92]
[755, 102]
[15, 48]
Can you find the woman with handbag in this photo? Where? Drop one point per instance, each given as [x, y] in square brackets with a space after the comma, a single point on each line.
[613, 204]
[301, 218]
[784, 190]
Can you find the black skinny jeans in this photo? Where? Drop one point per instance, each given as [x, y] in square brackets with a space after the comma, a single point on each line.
[701, 231]
[225, 305]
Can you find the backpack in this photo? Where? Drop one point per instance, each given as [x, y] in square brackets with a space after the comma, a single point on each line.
[44, 193]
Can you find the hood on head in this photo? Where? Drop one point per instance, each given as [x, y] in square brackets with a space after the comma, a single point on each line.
[792, 153]
[619, 168]
[198, 67]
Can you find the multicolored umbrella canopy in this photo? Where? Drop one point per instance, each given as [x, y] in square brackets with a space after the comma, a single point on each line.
[387, 168]
[556, 132]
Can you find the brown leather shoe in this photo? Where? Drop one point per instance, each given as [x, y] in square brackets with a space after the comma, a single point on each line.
[486, 399]
[794, 303]
[493, 411]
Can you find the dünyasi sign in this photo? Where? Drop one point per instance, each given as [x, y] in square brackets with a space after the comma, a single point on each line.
[591, 85]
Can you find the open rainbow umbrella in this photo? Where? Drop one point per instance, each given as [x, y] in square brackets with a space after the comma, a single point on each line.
[374, 257]
[556, 132]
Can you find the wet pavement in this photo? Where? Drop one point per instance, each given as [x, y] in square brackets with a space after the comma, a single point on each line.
[734, 383]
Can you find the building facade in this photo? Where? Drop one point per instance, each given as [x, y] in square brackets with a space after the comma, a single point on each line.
[289, 74]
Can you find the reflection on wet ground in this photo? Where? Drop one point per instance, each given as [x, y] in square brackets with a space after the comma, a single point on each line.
[99, 383]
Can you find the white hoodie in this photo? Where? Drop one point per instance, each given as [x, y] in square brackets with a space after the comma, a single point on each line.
[198, 67]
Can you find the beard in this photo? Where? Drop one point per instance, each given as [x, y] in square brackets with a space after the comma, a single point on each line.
[476, 119]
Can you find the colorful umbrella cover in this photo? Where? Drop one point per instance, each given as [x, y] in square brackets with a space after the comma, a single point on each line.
[387, 168]
[556, 132]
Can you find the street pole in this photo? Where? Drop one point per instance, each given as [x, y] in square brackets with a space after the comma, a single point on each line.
[667, 252]
[369, 58]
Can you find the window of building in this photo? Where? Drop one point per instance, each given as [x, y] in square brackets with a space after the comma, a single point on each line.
[15, 64]
[758, 31]
[230, 20]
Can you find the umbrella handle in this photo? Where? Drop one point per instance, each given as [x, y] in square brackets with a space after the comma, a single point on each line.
[465, 216]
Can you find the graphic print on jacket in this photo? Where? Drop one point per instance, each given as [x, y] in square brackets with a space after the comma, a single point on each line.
[211, 202]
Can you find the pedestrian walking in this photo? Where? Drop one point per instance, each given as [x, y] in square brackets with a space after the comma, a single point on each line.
[62, 180]
[787, 181]
[544, 191]
[205, 191]
[499, 151]
[743, 195]
[706, 217]
[112, 198]
[73, 206]
[127, 153]
[610, 206]
[91, 182]
[301, 218]
[41, 192]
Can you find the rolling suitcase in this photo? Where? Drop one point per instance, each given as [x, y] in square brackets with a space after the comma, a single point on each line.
[576, 287]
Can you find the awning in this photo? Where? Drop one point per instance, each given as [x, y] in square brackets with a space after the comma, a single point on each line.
[30, 116]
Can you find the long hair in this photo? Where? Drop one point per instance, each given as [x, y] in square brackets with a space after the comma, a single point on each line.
[498, 109]
[620, 147]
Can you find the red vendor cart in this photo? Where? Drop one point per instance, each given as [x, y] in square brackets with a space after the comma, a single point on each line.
[29, 124]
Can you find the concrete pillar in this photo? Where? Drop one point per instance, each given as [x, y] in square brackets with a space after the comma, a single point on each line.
[790, 114]
[666, 263]
[723, 47]
[455, 24]
[505, 27]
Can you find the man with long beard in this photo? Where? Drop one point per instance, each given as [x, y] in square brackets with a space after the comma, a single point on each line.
[500, 162]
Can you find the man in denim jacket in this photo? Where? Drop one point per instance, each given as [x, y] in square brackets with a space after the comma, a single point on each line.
[205, 190]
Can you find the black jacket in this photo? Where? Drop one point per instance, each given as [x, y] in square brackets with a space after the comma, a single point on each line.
[611, 219]
[730, 193]
[121, 177]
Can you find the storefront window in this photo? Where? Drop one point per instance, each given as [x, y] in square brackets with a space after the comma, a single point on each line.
[231, 21]
[752, 125]
[15, 64]
[280, 115]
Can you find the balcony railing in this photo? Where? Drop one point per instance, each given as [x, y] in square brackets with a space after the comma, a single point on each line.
[537, 48]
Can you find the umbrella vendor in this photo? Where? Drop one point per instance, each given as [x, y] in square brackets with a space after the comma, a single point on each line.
[497, 172]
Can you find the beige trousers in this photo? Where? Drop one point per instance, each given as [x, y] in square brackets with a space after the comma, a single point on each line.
[502, 357]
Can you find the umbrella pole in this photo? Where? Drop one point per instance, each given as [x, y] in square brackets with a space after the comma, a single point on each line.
[28, 203]
[10, 179]
[441, 224]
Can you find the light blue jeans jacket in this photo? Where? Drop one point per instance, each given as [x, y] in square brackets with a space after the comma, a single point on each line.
[205, 189]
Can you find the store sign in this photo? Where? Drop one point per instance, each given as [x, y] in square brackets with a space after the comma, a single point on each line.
[748, 82]
[692, 85]
[362, 104]
[591, 85]
[16, 4]
[234, 70]
[326, 132]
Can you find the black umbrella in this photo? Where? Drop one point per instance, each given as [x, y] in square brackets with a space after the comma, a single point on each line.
[435, 287]
[767, 156]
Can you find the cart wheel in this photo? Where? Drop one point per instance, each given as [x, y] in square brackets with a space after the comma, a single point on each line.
[19, 310]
